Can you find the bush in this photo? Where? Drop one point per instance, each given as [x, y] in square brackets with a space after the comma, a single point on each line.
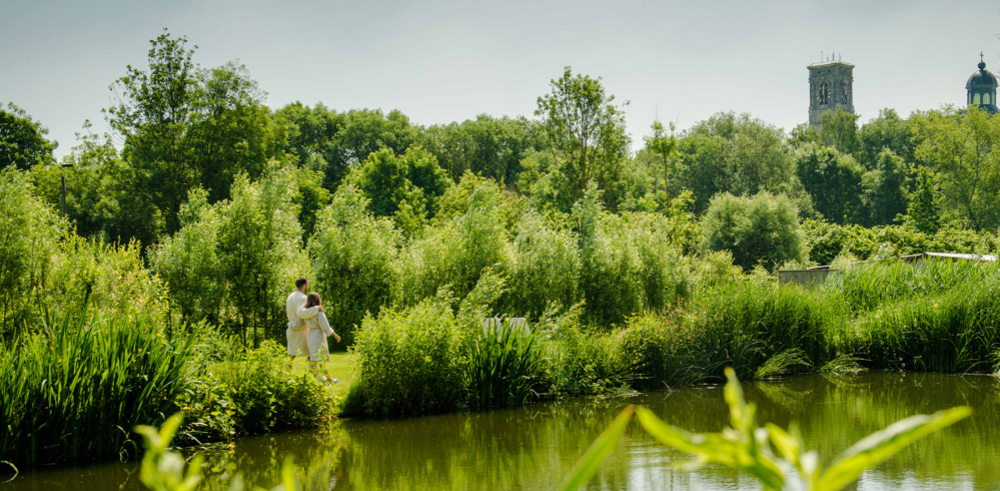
[66, 393]
[544, 269]
[28, 233]
[353, 254]
[630, 264]
[763, 229]
[412, 361]
[457, 252]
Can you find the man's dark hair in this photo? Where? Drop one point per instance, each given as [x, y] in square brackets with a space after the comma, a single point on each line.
[299, 283]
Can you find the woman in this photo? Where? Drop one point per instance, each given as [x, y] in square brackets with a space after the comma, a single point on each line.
[319, 329]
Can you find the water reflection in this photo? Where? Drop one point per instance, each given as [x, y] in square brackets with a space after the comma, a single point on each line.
[534, 448]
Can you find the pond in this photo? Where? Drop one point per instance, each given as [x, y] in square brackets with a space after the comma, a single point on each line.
[535, 447]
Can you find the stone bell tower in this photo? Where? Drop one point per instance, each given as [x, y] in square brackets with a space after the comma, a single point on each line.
[831, 88]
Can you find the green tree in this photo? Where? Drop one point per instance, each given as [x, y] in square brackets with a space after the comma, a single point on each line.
[353, 253]
[961, 147]
[840, 130]
[388, 180]
[29, 231]
[492, 147]
[922, 212]
[887, 131]
[22, 140]
[885, 194]
[759, 230]
[184, 127]
[735, 154]
[833, 179]
[664, 146]
[583, 123]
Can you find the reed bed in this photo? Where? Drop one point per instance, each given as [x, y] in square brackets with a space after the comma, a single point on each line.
[74, 390]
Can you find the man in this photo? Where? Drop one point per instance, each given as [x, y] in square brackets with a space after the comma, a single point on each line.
[296, 332]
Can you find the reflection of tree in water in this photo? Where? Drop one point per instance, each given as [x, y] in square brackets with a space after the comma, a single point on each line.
[316, 455]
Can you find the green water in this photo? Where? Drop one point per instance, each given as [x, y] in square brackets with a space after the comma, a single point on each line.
[534, 448]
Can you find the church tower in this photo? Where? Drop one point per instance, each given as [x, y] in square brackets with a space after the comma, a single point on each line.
[981, 89]
[831, 88]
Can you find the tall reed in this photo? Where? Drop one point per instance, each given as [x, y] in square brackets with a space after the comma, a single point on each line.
[505, 368]
[74, 391]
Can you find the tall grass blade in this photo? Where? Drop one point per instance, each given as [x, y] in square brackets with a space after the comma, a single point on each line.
[587, 466]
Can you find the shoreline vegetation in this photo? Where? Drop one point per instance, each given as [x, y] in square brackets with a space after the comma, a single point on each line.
[161, 288]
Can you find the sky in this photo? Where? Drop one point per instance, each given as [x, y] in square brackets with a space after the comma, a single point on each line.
[440, 61]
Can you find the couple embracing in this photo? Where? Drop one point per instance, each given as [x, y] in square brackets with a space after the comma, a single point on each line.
[307, 327]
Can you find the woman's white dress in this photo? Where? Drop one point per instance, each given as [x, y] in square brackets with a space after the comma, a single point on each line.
[319, 329]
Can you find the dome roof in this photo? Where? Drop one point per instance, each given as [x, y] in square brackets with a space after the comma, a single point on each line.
[981, 78]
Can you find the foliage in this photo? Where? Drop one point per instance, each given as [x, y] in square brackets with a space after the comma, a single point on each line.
[833, 179]
[922, 212]
[67, 392]
[164, 470]
[885, 195]
[412, 361]
[266, 397]
[505, 365]
[544, 269]
[735, 154]
[456, 253]
[748, 447]
[960, 148]
[763, 229]
[583, 123]
[827, 241]
[487, 146]
[353, 254]
[22, 140]
[185, 127]
[28, 233]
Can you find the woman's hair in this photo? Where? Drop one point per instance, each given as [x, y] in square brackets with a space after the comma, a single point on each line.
[313, 300]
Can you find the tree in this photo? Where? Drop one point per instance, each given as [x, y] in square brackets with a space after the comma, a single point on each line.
[885, 194]
[583, 123]
[735, 154]
[840, 130]
[353, 253]
[387, 180]
[29, 231]
[887, 131]
[759, 230]
[664, 146]
[922, 212]
[833, 179]
[492, 147]
[22, 140]
[961, 148]
[184, 127]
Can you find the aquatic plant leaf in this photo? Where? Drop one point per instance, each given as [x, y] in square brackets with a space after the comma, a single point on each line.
[587, 466]
[879, 446]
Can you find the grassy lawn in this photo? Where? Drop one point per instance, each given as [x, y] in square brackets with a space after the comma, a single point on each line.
[340, 366]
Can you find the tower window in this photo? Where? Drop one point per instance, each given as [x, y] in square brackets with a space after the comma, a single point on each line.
[975, 98]
[986, 98]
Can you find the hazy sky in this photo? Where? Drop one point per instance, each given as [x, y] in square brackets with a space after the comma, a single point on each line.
[443, 61]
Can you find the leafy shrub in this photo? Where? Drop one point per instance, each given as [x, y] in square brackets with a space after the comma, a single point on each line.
[544, 269]
[266, 397]
[457, 252]
[88, 273]
[763, 229]
[412, 361]
[66, 393]
[28, 233]
[353, 254]
[630, 264]
[827, 241]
